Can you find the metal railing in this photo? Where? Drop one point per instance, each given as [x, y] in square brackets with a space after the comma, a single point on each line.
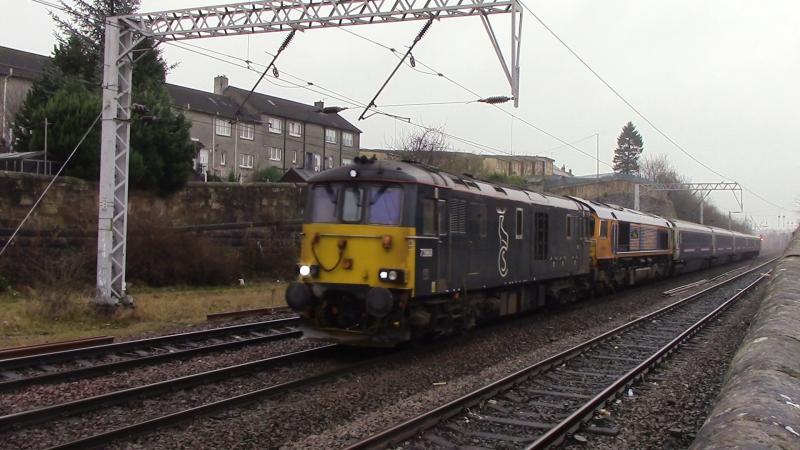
[36, 166]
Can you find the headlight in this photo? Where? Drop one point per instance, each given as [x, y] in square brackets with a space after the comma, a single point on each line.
[392, 275]
[305, 271]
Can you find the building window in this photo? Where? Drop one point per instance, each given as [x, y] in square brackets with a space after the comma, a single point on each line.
[294, 157]
[274, 154]
[247, 161]
[330, 136]
[223, 127]
[329, 162]
[223, 157]
[317, 163]
[275, 125]
[347, 139]
[295, 129]
[247, 131]
[346, 161]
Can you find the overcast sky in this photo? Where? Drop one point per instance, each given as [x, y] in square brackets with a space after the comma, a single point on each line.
[719, 77]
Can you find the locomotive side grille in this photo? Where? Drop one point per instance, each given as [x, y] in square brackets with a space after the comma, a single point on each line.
[458, 216]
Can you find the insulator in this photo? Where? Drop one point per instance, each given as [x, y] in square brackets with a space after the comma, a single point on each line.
[495, 99]
[287, 41]
[275, 72]
[412, 60]
[424, 29]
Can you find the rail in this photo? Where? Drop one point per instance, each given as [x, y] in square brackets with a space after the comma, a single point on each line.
[426, 421]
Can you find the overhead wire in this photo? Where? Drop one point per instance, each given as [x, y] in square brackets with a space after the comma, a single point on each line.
[49, 185]
[636, 110]
[341, 97]
[471, 91]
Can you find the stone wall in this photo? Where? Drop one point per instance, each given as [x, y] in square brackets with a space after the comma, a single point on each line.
[618, 192]
[70, 207]
[759, 405]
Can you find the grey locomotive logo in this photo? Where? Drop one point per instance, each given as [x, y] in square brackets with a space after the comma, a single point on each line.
[502, 265]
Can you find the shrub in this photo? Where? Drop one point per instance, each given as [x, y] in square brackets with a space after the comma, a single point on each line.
[270, 174]
[159, 255]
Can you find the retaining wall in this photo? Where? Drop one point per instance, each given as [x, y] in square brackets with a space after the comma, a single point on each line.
[227, 211]
[759, 405]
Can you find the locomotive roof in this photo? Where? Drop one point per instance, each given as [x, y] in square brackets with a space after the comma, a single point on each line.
[614, 212]
[408, 172]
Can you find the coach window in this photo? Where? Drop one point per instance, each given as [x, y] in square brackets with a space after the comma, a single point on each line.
[603, 229]
[519, 223]
[428, 217]
[353, 204]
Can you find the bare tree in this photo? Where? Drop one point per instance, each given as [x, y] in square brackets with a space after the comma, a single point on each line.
[426, 145]
[657, 169]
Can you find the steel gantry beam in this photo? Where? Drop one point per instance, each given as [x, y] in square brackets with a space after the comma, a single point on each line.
[701, 189]
[124, 33]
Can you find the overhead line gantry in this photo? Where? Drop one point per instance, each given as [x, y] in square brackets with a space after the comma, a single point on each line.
[123, 34]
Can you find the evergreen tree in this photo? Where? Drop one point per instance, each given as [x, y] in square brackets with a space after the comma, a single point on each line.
[161, 149]
[629, 147]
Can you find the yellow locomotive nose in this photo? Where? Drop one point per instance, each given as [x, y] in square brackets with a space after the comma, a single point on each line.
[356, 254]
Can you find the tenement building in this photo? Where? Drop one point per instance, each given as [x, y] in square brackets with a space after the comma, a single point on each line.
[237, 142]
[18, 70]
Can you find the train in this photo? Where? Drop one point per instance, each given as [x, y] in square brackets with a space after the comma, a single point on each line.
[394, 251]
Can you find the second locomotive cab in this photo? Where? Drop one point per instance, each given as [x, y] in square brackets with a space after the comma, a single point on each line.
[393, 250]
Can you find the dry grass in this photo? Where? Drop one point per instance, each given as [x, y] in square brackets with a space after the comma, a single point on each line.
[51, 315]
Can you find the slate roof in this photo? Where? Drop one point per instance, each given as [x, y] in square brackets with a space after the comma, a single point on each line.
[295, 175]
[30, 65]
[21, 64]
[207, 102]
[269, 105]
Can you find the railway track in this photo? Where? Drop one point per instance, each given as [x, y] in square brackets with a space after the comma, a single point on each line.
[349, 361]
[538, 406]
[82, 406]
[49, 347]
[88, 361]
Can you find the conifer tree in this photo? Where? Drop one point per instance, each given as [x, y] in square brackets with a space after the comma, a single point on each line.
[629, 147]
[69, 94]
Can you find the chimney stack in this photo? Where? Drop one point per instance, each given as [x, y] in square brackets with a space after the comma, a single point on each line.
[220, 83]
[319, 105]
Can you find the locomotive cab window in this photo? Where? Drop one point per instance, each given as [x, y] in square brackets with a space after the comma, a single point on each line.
[353, 204]
[323, 203]
[603, 229]
[385, 205]
[519, 223]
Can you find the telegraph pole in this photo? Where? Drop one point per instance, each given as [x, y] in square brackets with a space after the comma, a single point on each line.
[597, 161]
[46, 124]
